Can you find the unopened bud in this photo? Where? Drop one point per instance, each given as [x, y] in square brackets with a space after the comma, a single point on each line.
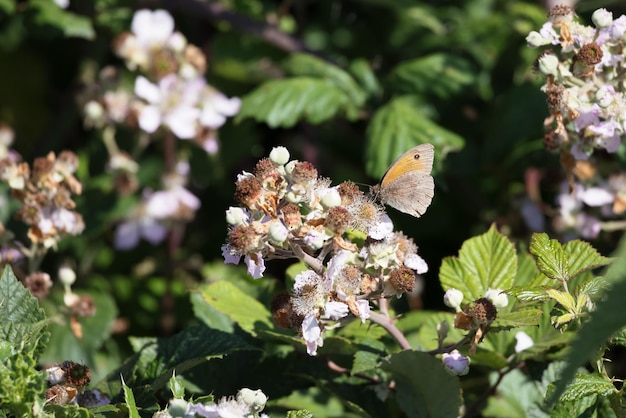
[456, 364]
[279, 155]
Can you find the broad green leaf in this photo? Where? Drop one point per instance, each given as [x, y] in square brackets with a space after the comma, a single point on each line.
[364, 361]
[551, 258]
[488, 358]
[592, 286]
[526, 269]
[608, 318]
[519, 318]
[441, 75]
[423, 387]
[564, 298]
[209, 315]
[530, 294]
[308, 65]
[420, 328]
[22, 321]
[70, 24]
[96, 330]
[130, 401]
[399, 126]
[516, 396]
[588, 384]
[582, 257]
[7, 6]
[487, 261]
[247, 312]
[283, 103]
[362, 71]
[159, 357]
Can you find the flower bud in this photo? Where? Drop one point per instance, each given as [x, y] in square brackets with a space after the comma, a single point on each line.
[177, 407]
[94, 110]
[255, 399]
[534, 40]
[279, 155]
[602, 18]
[236, 216]
[456, 364]
[67, 276]
[453, 298]
[331, 198]
[497, 297]
[548, 64]
[442, 330]
[278, 233]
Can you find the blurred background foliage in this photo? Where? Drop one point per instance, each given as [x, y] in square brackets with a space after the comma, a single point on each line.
[456, 74]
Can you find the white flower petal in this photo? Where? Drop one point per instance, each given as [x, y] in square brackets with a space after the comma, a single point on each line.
[126, 236]
[597, 196]
[149, 118]
[147, 91]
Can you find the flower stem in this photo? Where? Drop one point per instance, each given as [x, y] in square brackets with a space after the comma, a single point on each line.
[387, 323]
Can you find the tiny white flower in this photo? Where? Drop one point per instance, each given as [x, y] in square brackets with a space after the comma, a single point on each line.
[523, 341]
[602, 18]
[278, 232]
[279, 155]
[497, 297]
[456, 364]
[453, 298]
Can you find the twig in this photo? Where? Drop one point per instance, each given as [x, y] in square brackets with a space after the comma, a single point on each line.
[387, 323]
[337, 368]
[217, 12]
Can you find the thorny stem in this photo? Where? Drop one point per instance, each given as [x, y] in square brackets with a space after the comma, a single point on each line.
[216, 12]
[174, 238]
[448, 348]
[337, 368]
[387, 323]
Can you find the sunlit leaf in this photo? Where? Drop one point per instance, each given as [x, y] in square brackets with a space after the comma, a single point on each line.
[399, 126]
[487, 261]
[437, 396]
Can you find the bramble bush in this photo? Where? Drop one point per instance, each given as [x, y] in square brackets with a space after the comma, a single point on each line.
[189, 227]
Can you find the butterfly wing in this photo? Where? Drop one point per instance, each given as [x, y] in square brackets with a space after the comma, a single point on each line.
[411, 193]
[417, 159]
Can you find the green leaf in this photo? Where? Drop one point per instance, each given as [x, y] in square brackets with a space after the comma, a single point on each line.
[159, 357]
[588, 384]
[70, 24]
[441, 75]
[519, 318]
[176, 386]
[7, 6]
[308, 65]
[302, 413]
[362, 71]
[423, 387]
[364, 361]
[399, 126]
[530, 294]
[96, 330]
[564, 298]
[517, 396]
[608, 318]
[582, 256]
[550, 256]
[22, 321]
[247, 312]
[130, 401]
[487, 261]
[420, 328]
[283, 103]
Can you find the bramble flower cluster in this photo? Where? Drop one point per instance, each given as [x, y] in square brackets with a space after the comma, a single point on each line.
[170, 91]
[68, 381]
[584, 68]
[476, 317]
[45, 192]
[352, 254]
[169, 96]
[247, 403]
